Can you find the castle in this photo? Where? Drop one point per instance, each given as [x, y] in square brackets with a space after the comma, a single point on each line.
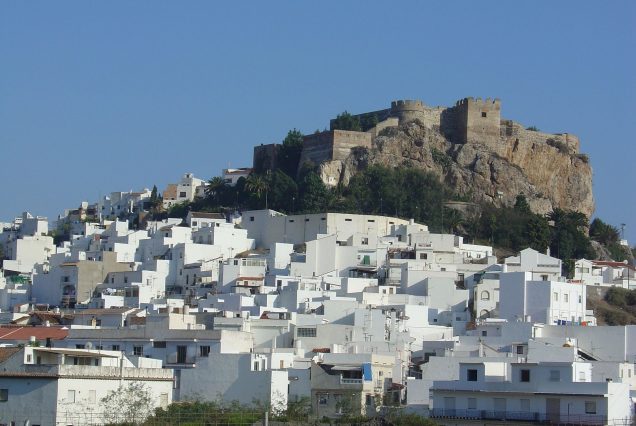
[469, 121]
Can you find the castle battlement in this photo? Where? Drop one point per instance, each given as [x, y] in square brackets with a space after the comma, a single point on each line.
[488, 102]
[407, 105]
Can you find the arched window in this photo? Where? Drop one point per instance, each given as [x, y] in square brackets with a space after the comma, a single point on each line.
[485, 295]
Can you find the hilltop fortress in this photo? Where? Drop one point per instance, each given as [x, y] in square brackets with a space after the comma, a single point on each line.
[468, 145]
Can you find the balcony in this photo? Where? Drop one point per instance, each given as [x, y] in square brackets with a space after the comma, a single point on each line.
[348, 381]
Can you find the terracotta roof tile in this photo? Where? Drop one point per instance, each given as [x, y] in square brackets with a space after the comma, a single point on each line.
[9, 333]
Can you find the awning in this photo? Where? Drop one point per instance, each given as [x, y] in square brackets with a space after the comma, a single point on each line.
[346, 368]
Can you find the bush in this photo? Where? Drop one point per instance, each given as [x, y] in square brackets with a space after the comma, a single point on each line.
[561, 146]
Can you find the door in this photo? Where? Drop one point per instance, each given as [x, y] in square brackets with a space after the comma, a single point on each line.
[449, 406]
[500, 408]
[553, 409]
[181, 354]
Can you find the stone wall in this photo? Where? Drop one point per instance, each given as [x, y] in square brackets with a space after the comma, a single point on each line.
[478, 121]
[332, 145]
[265, 157]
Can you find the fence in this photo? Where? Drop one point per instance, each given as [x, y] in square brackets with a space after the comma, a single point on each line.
[89, 418]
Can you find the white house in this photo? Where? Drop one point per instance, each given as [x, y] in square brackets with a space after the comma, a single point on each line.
[557, 392]
[185, 190]
[65, 386]
[549, 302]
[542, 266]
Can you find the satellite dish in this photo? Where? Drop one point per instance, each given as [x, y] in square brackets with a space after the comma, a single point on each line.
[89, 345]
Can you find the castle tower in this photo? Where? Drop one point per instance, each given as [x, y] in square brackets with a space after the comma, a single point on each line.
[478, 121]
[408, 110]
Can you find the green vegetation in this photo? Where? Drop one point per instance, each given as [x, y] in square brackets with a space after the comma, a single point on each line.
[441, 158]
[561, 146]
[195, 413]
[532, 128]
[621, 309]
[608, 236]
[346, 121]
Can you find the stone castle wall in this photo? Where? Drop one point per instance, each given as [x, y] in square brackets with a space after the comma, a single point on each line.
[332, 145]
[478, 121]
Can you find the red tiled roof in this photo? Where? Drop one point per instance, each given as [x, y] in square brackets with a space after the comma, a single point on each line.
[6, 353]
[25, 333]
[612, 264]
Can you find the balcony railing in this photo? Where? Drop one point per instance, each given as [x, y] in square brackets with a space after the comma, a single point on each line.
[578, 419]
[346, 381]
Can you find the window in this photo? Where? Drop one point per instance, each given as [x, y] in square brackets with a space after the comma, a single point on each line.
[423, 256]
[70, 396]
[555, 296]
[29, 358]
[555, 376]
[579, 298]
[306, 332]
[204, 351]
[291, 220]
[251, 218]
[590, 407]
[114, 347]
[524, 375]
[194, 223]
[484, 114]
[471, 375]
[524, 404]
[472, 403]
[4, 395]
[544, 277]
[566, 298]
[78, 346]
[520, 350]
[484, 333]
[159, 344]
[365, 241]
[323, 398]
[347, 220]
[138, 350]
[307, 220]
[182, 194]
[485, 295]
[92, 396]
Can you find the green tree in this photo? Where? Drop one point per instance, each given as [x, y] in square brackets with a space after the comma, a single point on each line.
[537, 233]
[289, 152]
[258, 186]
[283, 192]
[521, 204]
[313, 194]
[604, 233]
[128, 404]
[569, 240]
[214, 189]
[346, 121]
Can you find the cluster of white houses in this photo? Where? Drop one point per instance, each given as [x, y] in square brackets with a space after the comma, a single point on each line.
[353, 312]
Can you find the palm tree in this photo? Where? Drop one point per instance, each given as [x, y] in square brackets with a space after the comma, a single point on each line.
[214, 188]
[257, 185]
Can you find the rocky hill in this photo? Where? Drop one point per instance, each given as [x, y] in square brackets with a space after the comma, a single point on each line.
[495, 167]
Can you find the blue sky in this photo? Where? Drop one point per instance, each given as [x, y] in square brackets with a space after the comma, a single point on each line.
[107, 96]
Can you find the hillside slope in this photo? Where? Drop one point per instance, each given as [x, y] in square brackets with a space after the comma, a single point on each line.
[547, 169]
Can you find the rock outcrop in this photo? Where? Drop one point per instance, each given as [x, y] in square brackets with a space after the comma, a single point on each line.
[547, 169]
